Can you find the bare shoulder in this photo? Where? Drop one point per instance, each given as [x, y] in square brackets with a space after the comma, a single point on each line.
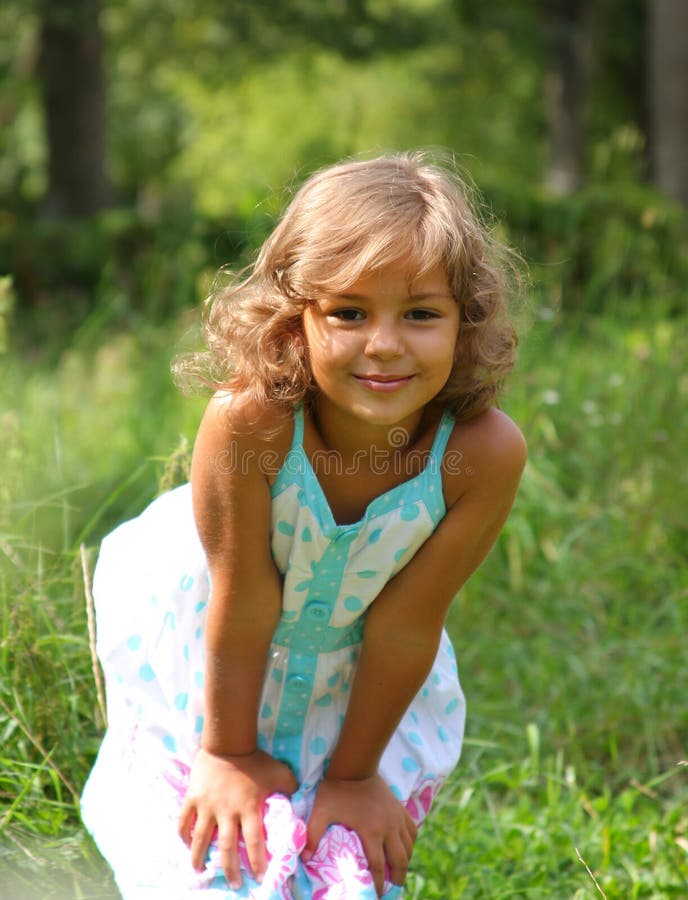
[485, 454]
[235, 422]
[239, 437]
[233, 417]
[238, 449]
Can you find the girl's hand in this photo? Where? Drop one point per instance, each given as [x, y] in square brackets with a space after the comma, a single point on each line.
[230, 792]
[368, 807]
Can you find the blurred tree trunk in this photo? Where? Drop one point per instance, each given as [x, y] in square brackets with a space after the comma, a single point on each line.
[73, 92]
[668, 97]
[566, 87]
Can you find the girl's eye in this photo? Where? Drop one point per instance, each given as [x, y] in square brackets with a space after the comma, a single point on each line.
[421, 315]
[347, 315]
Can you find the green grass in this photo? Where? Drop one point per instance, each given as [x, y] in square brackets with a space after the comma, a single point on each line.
[571, 639]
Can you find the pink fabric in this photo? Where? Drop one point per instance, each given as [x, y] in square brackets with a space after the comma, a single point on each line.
[338, 870]
[419, 805]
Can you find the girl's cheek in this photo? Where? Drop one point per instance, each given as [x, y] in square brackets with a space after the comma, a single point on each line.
[327, 343]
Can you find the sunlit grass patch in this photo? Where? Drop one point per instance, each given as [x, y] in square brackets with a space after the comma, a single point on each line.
[509, 827]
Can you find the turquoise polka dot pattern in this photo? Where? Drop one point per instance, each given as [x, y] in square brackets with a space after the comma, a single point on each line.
[186, 582]
[318, 746]
[146, 673]
[410, 512]
[353, 604]
[153, 595]
[286, 528]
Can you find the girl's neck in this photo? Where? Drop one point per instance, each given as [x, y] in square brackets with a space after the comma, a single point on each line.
[349, 436]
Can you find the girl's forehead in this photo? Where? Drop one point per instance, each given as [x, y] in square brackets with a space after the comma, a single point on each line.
[344, 270]
[401, 275]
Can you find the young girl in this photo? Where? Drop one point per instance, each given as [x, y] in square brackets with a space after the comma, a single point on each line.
[283, 701]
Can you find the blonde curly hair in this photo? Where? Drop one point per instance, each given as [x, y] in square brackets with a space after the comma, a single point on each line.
[348, 220]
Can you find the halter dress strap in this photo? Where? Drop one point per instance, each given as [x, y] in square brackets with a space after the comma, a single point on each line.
[442, 435]
[297, 439]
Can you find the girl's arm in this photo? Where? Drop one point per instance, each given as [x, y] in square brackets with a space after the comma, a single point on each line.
[402, 632]
[230, 777]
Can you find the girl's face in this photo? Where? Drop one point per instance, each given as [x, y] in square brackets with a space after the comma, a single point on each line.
[384, 348]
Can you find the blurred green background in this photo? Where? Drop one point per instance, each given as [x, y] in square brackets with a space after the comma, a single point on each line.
[145, 145]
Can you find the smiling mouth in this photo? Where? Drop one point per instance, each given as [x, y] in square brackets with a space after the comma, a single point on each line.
[383, 383]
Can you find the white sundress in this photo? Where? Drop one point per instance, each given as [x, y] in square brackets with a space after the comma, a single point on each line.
[151, 589]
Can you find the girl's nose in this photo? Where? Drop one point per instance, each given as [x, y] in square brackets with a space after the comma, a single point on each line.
[384, 342]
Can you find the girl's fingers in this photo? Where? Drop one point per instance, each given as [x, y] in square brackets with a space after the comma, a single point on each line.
[409, 835]
[408, 842]
[200, 841]
[185, 823]
[376, 865]
[228, 845]
[254, 838]
[397, 857]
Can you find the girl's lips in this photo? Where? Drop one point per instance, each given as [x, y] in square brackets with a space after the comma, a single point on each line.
[383, 383]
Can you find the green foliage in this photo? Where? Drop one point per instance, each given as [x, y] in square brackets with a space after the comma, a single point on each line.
[120, 270]
[243, 98]
[314, 107]
[606, 250]
[6, 306]
[589, 574]
[527, 828]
